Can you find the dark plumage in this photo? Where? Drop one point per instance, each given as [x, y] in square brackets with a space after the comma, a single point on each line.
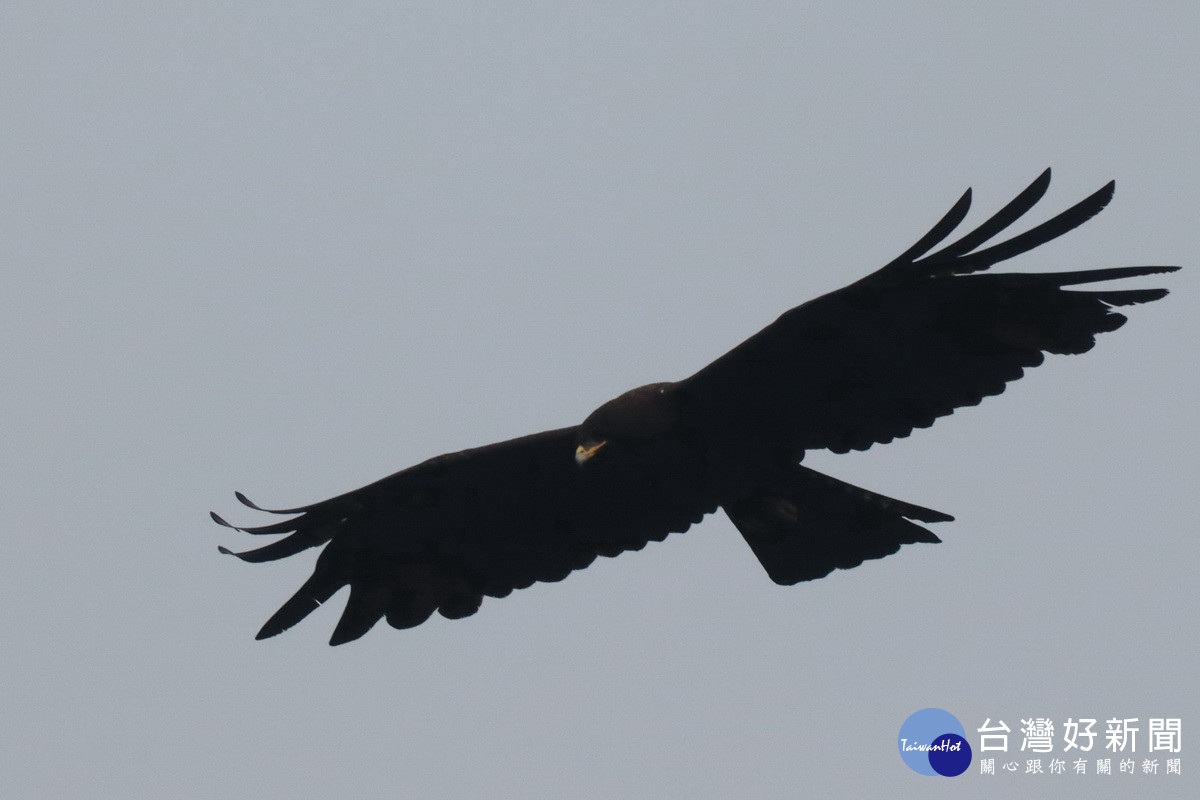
[863, 365]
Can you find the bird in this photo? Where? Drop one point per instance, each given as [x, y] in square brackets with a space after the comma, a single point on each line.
[930, 332]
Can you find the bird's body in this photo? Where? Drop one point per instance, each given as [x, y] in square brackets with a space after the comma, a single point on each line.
[862, 365]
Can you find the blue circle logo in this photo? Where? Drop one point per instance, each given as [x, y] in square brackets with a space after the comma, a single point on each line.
[934, 742]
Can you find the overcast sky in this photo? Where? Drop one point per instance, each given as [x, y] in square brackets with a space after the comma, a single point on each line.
[290, 248]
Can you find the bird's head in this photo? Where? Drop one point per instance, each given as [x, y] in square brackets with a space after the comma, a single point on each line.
[638, 418]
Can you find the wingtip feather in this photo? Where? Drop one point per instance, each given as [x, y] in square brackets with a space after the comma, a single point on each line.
[246, 501]
[315, 592]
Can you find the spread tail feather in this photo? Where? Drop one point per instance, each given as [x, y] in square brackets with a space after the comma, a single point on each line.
[806, 524]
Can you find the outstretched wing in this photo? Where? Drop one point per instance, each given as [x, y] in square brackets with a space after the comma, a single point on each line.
[441, 535]
[913, 341]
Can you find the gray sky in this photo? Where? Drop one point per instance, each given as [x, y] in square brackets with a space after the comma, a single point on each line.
[292, 248]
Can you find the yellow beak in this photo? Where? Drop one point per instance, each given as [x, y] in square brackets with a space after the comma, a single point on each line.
[586, 451]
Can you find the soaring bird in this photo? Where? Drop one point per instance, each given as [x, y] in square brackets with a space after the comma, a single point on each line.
[928, 333]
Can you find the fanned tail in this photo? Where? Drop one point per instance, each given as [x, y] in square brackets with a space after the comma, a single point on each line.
[807, 524]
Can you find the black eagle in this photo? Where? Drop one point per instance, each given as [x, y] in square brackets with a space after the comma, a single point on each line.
[863, 365]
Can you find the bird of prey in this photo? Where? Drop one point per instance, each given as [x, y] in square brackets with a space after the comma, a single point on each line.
[928, 333]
